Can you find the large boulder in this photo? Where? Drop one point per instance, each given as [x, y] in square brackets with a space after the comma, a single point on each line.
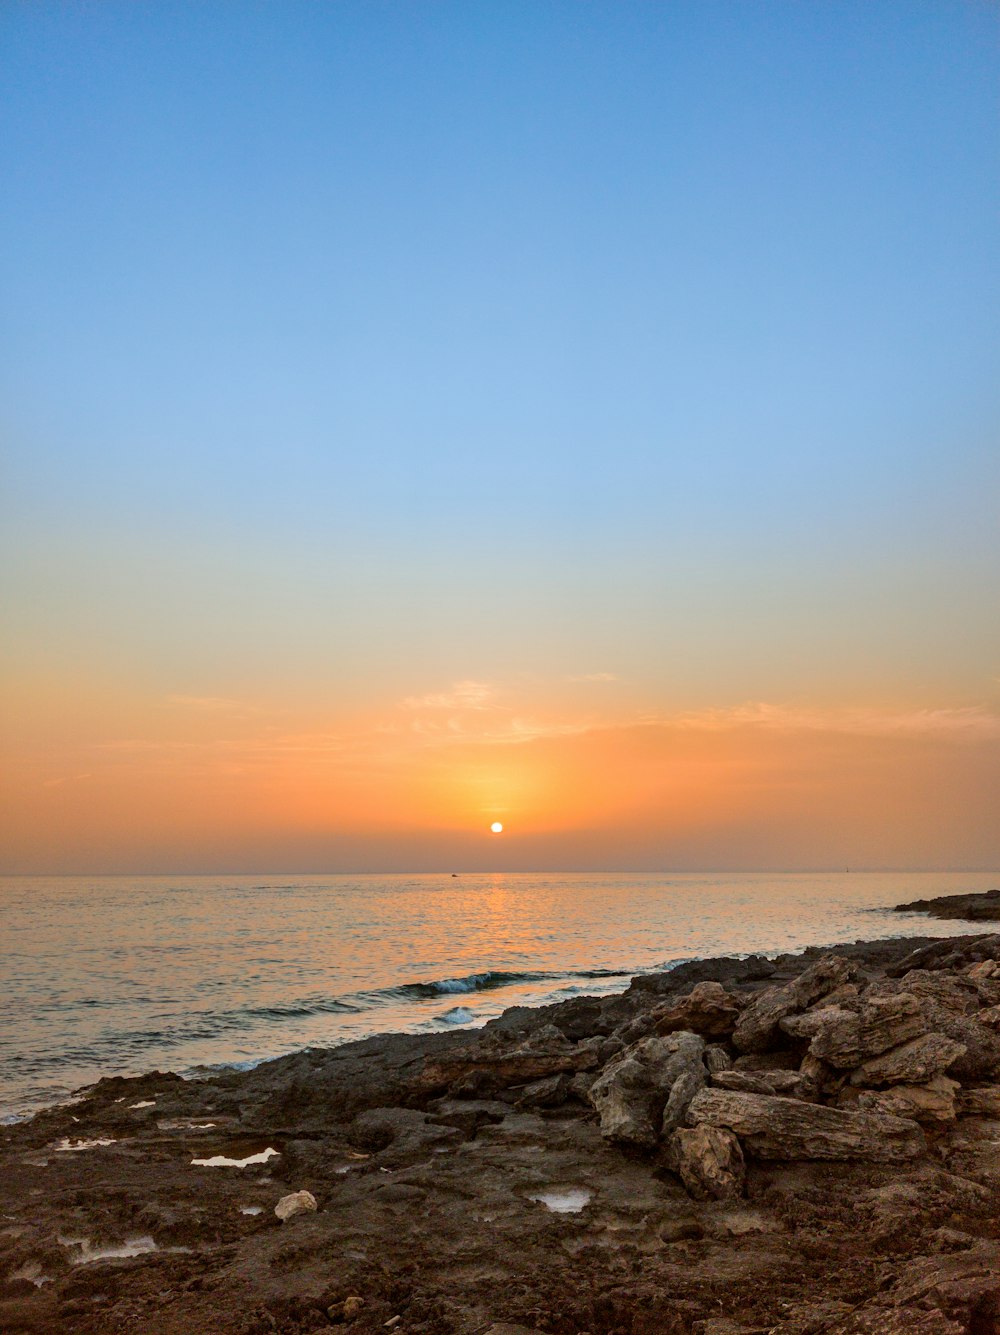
[709, 1162]
[845, 1037]
[757, 1029]
[648, 1087]
[911, 1063]
[777, 1128]
[707, 1009]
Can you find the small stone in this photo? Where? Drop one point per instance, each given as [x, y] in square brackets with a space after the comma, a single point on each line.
[295, 1203]
[346, 1310]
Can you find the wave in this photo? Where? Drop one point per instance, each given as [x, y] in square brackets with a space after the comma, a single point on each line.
[488, 981]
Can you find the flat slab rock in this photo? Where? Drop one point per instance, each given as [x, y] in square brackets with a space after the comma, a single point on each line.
[777, 1128]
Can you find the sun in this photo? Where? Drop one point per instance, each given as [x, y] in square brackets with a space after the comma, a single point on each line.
[496, 827]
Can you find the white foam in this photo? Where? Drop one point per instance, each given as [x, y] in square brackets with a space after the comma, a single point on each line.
[85, 1251]
[457, 1015]
[67, 1146]
[251, 1209]
[220, 1160]
[570, 1201]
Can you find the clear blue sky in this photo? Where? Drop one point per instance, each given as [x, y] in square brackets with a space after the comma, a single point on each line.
[666, 331]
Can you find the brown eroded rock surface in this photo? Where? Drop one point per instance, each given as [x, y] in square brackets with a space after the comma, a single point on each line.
[681, 1159]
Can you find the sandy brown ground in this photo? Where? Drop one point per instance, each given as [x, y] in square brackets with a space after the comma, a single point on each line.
[427, 1210]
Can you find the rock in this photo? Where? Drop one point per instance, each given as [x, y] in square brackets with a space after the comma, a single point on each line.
[984, 969]
[346, 1310]
[790, 1084]
[932, 1103]
[295, 1203]
[758, 1024]
[494, 1064]
[912, 1063]
[716, 1059]
[777, 1128]
[982, 1102]
[981, 907]
[990, 1017]
[548, 1093]
[634, 1095]
[709, 1162]
[845, 1037]
[707, 1009]
[743, 1080]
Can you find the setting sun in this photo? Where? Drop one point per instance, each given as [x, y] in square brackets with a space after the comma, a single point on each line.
[496, 827]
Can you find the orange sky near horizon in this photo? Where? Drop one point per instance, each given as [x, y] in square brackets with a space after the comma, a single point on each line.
[578, 772]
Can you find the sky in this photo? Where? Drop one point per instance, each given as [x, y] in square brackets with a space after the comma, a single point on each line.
[578, 415]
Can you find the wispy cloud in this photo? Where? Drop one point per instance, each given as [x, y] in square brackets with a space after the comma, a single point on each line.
[588, 677]
[970, 721]
[461, 695]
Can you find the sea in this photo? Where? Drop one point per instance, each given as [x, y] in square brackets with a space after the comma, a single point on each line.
[123, 975]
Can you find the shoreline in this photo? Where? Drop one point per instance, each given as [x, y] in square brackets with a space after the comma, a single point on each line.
[524, 1172]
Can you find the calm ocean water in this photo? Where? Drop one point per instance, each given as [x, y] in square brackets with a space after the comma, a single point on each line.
[126, 974]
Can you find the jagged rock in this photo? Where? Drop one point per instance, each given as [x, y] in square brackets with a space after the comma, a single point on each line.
[932, 1103]
[709, 1162]
[790, 1084]
[716, 1059]
[777, 1128]
[744, 1081]
[984, 969]
[911, 1063]
[846, 1037]
[990, 1017]
[296, 1202]
[548, 1093]
[982, 1102]
[707, 1009]
[635, 1096]
[758, 1025]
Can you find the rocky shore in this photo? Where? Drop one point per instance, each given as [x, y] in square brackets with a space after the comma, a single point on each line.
[801, 1145]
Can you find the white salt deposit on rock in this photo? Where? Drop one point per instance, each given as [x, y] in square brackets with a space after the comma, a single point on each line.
[220, 1160]
[293, 1204]
[571, 1200]
[67, 1146]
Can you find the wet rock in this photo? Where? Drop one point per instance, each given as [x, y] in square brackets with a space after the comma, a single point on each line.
[932, 1103]
[912, 1063]
[709, 1162]
[708, 1009]
[777, 1128]
[634, 1095]
[297, 1202]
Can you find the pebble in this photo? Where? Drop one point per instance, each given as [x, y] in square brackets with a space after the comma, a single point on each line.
[293, 1204]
